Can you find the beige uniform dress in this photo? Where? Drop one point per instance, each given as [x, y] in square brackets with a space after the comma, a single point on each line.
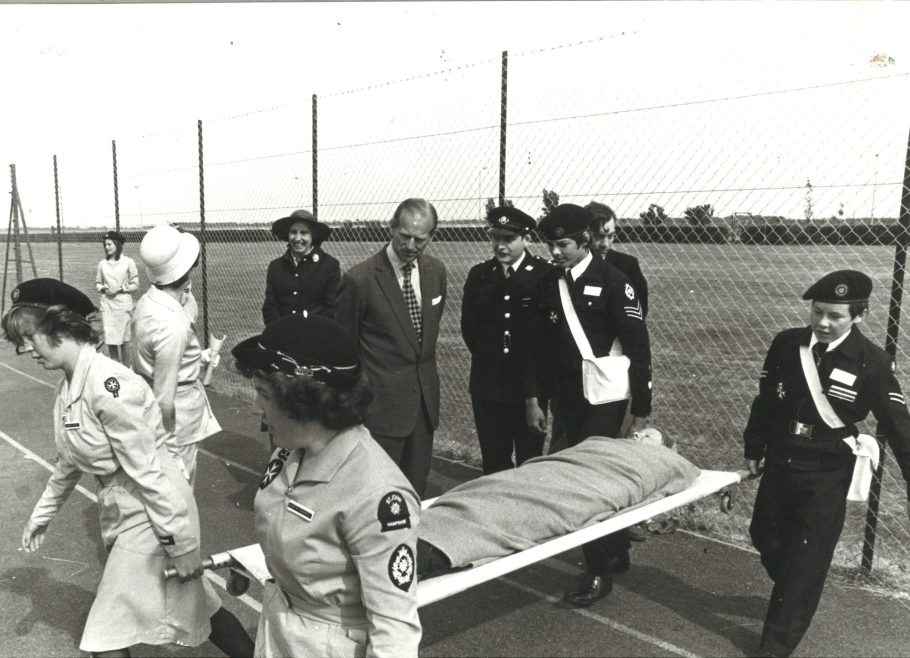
[339, 534]
[107, 424]
[122, 278]
[167, 354]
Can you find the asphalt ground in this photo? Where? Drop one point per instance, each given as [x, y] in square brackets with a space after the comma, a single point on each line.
[686, 595]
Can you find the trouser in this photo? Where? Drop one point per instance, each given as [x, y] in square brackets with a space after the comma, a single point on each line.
[500, 427]
[580, 419]
[413, 453]
[797, 520]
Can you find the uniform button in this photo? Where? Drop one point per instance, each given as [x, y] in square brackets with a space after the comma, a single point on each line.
[295, 292]
[589, 303]
[507, 297]
[508, 315]
[293, 311]
[505, 350]
[296, 275]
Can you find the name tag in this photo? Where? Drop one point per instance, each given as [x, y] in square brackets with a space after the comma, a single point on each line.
[593, 291]
[304, 513]
[436, 300]
[843, 377]
[72, 426]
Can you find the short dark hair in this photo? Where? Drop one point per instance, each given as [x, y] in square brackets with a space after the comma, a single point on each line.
[601, 213]
[118, 251]
[582, 237]
[55, 322]
[305, 399]
[858, 308]
[414, 206]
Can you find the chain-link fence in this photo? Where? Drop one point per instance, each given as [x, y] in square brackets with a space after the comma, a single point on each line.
[735, 191]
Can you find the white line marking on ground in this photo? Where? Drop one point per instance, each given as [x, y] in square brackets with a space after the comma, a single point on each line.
[28, 376]
[213, 577]
[622, 628]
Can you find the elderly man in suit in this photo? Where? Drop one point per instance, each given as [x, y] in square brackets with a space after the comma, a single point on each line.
[392, 303]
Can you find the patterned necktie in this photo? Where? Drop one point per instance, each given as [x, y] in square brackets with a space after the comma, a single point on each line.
[411, 300]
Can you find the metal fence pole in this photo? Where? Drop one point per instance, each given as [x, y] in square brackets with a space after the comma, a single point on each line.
[315, 160]
[202, 241]
[503, 105]
[894, 312]
[59, 227]
[116, 189]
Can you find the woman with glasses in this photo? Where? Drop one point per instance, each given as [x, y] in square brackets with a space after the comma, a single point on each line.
[335, 516]
[107, 425]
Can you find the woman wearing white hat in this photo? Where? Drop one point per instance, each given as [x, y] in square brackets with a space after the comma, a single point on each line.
[166, 350]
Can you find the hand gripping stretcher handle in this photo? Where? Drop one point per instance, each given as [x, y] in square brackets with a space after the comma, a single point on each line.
[216, 561]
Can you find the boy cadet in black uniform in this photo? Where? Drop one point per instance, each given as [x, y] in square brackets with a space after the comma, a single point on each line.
[603, 233]
[498, 295]
[608, 309]
[807, 470]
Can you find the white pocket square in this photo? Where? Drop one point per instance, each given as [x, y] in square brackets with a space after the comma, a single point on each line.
[436, 300]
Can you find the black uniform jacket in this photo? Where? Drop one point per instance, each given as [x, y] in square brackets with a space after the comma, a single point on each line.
[312, 285]
[857, 377]
[628, 265]
[608, 308]
[494, 325]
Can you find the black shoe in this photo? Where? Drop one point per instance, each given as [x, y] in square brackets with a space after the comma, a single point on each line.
[593, 589]
[621, 562]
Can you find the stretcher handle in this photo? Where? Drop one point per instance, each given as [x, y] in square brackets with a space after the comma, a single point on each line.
[216, 561]
[726, 495]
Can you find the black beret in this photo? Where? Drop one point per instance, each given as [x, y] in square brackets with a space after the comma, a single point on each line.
[510, 219]
[42, 293]
[305, 346]
[113, 235]
[282, 227]
[564, 220]
[840, 287]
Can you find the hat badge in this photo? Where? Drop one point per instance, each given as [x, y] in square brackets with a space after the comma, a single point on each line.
[15, 294]
[559, 231]
[503, 220]
[841, 290]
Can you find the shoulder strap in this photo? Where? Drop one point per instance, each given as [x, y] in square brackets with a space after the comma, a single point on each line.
[572, 318]
[825, 410]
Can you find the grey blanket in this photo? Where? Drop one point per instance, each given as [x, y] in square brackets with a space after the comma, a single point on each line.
[547, 497]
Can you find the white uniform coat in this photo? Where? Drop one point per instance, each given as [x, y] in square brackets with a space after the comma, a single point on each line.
[121, 277]
[107, 424]
[339, 536]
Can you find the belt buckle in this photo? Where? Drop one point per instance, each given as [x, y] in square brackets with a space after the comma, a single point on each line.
[800, 429]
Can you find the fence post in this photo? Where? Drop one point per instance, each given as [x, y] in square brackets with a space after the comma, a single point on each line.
[59, 227]
[116, 189]
[503, 105]
[202, 243]
[315, 130]
[894, 312]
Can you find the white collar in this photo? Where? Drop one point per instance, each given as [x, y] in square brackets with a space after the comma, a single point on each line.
[833, 344]
[580, 268]
[514, 265]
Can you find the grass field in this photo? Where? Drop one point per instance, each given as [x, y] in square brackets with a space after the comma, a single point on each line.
[713, 312]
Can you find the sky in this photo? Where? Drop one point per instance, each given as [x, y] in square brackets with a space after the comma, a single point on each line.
[589, 85]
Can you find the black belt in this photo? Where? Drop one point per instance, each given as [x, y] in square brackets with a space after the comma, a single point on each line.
[152, 381]
[796, 428]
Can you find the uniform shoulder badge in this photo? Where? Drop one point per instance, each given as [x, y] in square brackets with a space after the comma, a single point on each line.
[401, 567]
[630, 291]
[393, 512]
[271, 472]
[112, 386]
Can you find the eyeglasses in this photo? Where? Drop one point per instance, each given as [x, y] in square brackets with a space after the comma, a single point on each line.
[24, 349]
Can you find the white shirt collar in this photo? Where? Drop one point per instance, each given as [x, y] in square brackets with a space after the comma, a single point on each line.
[580, 268]
[514, 265]
[833, 344]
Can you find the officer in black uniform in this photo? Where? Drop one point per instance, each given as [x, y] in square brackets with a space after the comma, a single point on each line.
[608, 309]
[498, 296]
[807, 467]
[603, 233]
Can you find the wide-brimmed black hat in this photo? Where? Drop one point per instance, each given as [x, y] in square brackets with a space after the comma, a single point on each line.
[42, 293]
[511, 219]
[303, 346]
[114, 236]
[840, 287]
[564, 220]
[281, 227]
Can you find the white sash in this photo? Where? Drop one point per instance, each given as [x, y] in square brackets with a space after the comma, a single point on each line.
[865, 447]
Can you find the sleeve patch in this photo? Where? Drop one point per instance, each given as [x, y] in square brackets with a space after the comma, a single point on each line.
[271, 472]
[630, 291]
[633, 312]
[393, 512]
[896, 398]
[112, 386]
[401, 567]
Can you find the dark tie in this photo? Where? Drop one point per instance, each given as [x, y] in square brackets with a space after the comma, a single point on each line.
[510, 271]
[411, 300]
[818, 351]
[568, 275]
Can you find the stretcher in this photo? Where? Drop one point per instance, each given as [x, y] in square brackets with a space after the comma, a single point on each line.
[248, 562]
